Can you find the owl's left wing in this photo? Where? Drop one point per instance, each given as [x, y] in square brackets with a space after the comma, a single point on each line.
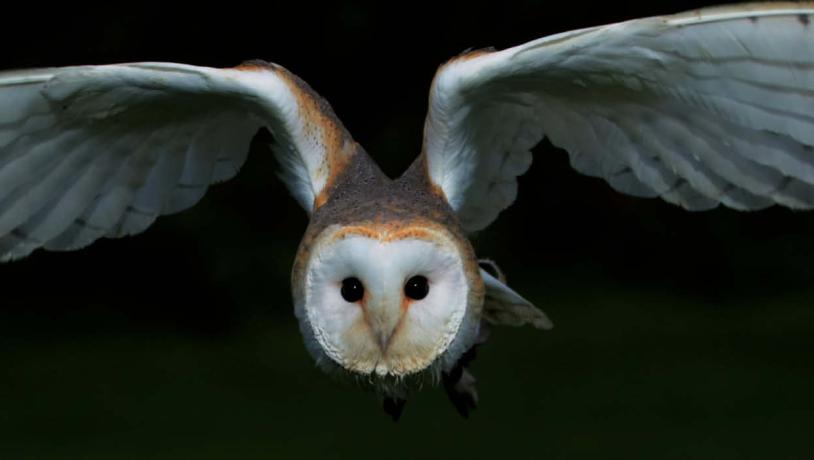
[707, 107]
[101, 151]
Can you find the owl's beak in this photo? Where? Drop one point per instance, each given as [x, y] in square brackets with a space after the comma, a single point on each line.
[384, 319]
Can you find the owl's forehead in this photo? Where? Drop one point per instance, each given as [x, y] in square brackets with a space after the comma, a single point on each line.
[393, 245]
[368, 239]
[381, 254]
[391, 232]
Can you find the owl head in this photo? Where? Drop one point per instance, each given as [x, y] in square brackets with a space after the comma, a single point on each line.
[386, 284]
[388, 300]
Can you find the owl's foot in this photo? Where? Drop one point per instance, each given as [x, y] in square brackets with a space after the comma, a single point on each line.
[462, 393]
[459, 384]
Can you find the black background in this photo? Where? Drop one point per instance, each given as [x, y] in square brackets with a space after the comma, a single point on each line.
[678, 334]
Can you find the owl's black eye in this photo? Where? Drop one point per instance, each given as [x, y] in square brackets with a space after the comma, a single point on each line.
[417, 287]
[352, 289]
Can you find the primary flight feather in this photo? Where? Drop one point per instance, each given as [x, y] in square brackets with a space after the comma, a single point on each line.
[710, 107]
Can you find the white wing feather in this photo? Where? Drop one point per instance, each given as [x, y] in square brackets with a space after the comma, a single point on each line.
[707, 107]
[94, 151]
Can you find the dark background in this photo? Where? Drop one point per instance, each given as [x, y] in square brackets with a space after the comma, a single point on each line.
[679, 335]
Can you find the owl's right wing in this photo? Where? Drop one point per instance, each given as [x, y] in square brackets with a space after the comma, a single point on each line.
[701, 108]
[94, 151]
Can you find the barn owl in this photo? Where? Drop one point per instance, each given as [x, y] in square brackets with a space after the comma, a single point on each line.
[710, 107]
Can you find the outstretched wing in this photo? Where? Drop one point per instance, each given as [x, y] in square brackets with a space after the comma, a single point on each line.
[707, 107]
[94, 151]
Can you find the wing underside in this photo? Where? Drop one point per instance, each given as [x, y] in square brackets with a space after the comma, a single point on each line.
[703, 108]
[102, 151]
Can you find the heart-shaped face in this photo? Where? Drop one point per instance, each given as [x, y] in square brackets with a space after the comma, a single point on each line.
[385, 302]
